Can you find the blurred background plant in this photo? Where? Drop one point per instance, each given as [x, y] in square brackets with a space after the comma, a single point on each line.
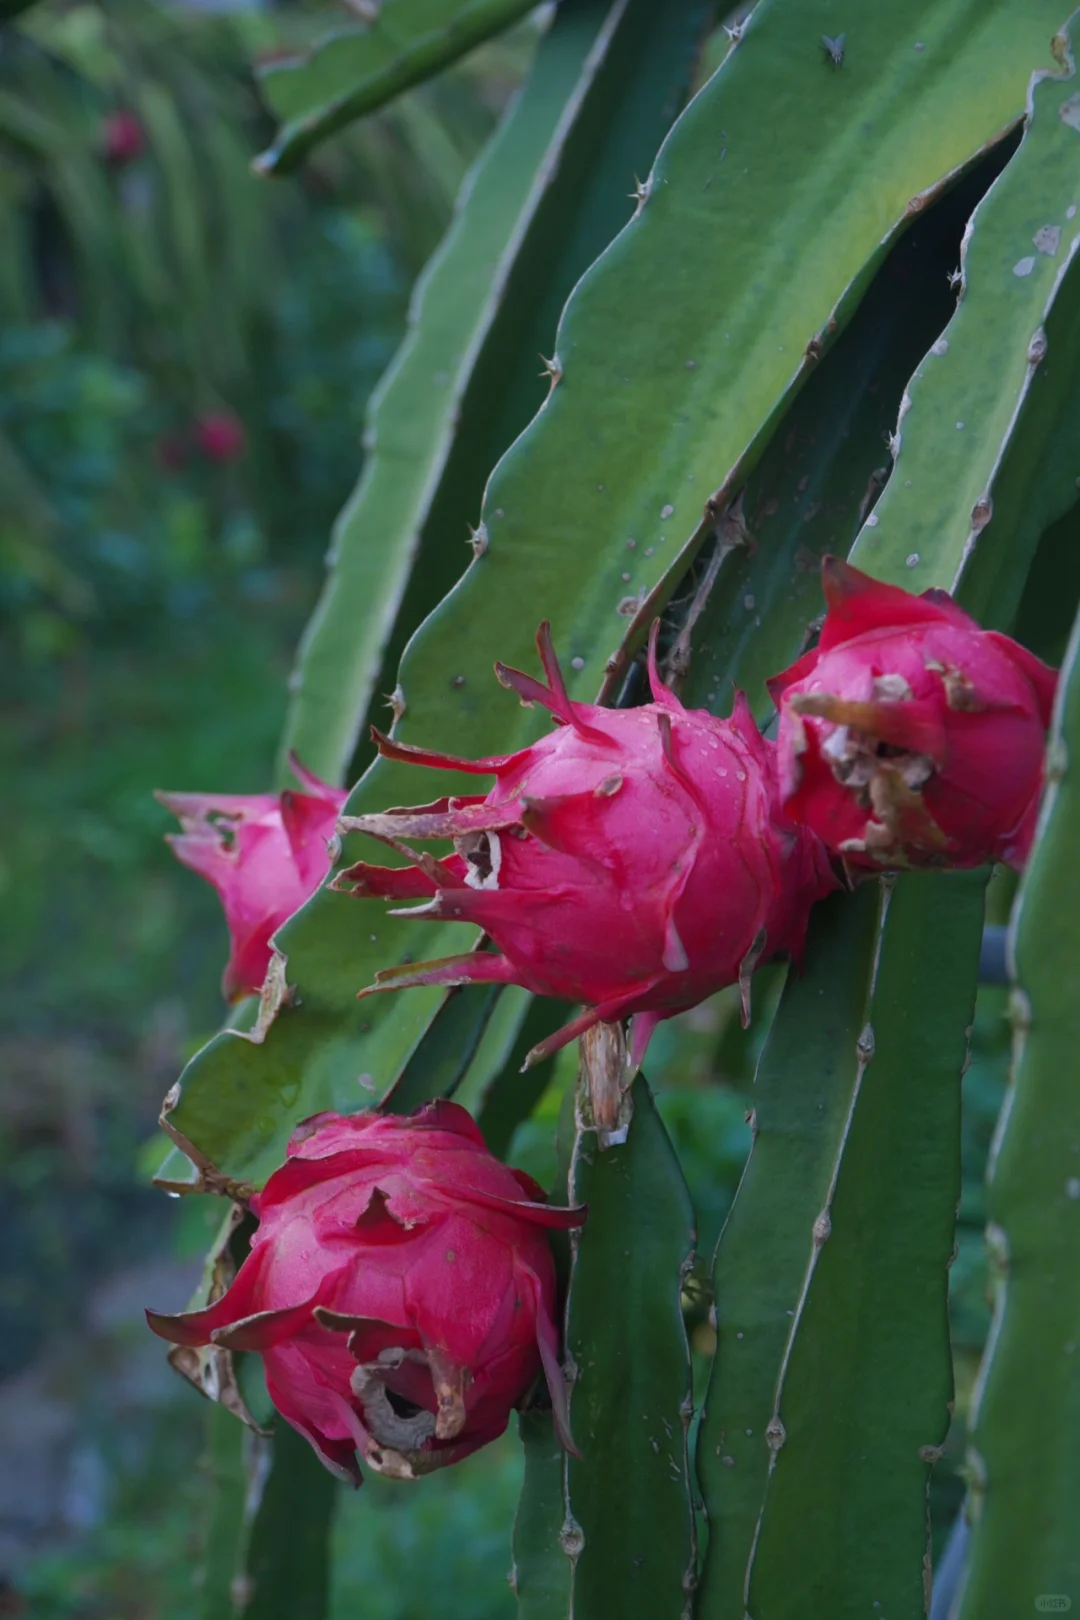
[185, 359]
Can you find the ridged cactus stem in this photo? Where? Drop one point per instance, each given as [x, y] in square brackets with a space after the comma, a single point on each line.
[619, 1539]
[830, 1397]
[1024, 1460]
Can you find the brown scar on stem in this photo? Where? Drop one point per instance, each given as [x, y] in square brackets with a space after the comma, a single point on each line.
[746, 970]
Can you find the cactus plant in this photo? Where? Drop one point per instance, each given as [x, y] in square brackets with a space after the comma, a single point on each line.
[843, 317]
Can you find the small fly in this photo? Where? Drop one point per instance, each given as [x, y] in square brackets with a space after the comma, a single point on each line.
[834, 49]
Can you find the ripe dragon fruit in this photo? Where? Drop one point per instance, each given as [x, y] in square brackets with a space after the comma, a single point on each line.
[122, 137]
[632, 859]
[220, 435]
[910, 737]
[265, 853]
[400, 1289]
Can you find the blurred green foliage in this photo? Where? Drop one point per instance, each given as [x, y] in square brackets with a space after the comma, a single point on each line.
[150, 600]
[150, 594]
[399, 1553]
[122, 586]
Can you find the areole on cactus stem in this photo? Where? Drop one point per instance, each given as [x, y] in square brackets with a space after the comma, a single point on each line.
[635, 860]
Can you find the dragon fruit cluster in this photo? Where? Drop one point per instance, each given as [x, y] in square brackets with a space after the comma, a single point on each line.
[632, 862]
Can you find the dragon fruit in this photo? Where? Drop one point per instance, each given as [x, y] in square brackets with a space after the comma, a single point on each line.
[635, 860]
[220, 435]
[265, 853]
[910, 737]
[400, 1289]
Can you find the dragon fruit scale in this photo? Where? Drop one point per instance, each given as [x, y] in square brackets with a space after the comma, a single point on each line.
[911, 737]
[635, 860]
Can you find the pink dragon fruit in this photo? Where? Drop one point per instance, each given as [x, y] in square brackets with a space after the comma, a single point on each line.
[910, 737]
[632, 859]
[220, 435]
[122, 137]
[265, 853]
[400, 1290]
